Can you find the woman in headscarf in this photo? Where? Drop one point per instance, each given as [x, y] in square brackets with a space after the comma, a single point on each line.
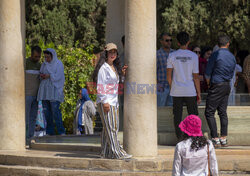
[85, 111]
[108, 74]
[51, 91]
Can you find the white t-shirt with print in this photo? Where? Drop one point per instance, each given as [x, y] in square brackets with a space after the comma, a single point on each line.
[184, 64]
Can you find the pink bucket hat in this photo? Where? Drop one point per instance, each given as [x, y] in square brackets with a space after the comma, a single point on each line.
[191, 125]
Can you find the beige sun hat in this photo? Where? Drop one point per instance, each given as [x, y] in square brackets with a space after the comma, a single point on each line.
[110, 46]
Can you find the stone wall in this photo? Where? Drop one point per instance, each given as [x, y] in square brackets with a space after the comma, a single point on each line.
[238, 128]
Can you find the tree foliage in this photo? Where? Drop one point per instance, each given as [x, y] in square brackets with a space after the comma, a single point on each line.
[204, 20]
[64, 22]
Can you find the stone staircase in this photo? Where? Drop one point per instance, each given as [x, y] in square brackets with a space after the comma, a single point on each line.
[238, 125]
[232, 161]
[79, 155]
[65, 163]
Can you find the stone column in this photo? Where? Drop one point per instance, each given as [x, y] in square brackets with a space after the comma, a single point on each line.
[12, 95]
[115, 22]
[140, 108]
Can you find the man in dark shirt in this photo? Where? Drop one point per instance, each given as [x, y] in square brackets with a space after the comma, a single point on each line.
[32, 71]
[219, 72]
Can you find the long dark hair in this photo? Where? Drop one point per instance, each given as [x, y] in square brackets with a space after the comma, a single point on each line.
[198, 142]
[102, 60]
[205, 49]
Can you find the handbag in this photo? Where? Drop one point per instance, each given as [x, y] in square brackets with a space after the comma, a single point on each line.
[208, 163]
[40, 120]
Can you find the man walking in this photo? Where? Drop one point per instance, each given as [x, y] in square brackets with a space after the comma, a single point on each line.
[185, 84]
[219, 72]
[31, 89]
[163, 96]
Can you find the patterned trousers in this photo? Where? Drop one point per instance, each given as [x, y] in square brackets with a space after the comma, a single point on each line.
[110, 146]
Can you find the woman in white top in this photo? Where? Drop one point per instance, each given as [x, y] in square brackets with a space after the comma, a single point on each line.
[191, 154]
[108, 74]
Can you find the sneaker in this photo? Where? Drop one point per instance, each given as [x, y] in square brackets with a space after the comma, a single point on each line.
[223, 142]
[127, 156]
[216, 142]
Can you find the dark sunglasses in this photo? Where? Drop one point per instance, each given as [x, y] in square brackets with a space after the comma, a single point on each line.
[197, 52]
[168, 40]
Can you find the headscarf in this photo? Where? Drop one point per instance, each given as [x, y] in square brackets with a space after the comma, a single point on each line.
[55, 69]
[85, 97]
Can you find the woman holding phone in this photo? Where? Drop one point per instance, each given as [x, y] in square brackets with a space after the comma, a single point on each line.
[51, 91]
[108, 74]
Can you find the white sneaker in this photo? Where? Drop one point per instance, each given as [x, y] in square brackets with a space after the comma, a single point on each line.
[127, 156]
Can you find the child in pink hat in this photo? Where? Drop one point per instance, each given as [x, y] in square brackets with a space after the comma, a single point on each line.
[191, 154]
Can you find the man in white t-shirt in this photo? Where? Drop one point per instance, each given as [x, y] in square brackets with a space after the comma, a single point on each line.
[185, 83]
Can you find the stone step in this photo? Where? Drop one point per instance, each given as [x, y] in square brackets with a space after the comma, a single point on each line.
[234, 138]
[66, 147]
[93, 139]
[238, 125]
[162, 149]
[9, 170]
[229, 161]
[81, 139]
[83, 160]
[87, 139]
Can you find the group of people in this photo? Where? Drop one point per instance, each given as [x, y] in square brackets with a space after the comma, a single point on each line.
[178, 82]
[194, 155]
[182, 76]
[44, 83]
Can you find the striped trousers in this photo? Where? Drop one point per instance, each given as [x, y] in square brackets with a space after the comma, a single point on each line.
[110, 146]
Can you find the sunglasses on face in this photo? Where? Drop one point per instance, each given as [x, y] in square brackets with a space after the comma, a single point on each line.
[197, 52]
[168, 40]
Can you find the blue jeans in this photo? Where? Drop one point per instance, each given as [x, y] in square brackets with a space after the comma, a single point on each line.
[164, 98]
[31, 107]
[53, 113]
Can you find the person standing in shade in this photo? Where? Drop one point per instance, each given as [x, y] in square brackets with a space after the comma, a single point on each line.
[108, 74]
[31, 88]
[192, 153]
[51, 91]
[121, 86]
[205, 54]
[219, 72]
[163, 89]
[84, 114]
[246, 72]
[185, 84]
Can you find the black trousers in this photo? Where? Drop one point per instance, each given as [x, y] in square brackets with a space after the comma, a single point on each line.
[192, 108]
[217, 99]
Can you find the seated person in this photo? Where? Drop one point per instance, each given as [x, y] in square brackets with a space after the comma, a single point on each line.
[84, 114]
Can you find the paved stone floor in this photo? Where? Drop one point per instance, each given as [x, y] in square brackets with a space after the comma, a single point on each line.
[233, 160]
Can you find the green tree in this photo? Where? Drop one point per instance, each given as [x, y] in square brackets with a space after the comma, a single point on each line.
[64, 22]
[89, 20]
[48, 21]
[206, 19]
